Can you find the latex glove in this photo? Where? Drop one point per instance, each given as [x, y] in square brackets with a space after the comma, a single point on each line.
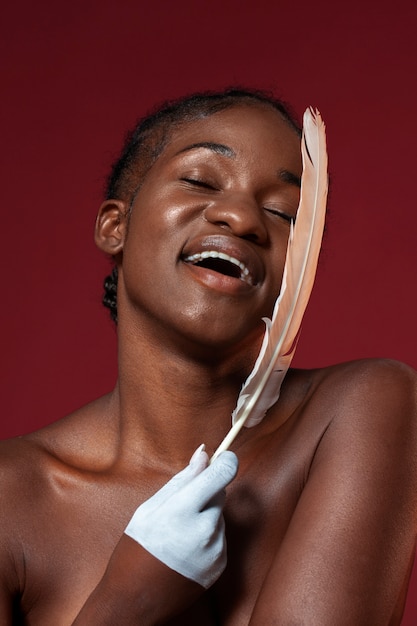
[182, 525]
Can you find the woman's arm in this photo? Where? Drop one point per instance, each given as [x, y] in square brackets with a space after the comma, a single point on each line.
[348, 551]
[173, 548]
[136, 589]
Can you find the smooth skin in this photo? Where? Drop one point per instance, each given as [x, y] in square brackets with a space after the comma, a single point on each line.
[321, 519]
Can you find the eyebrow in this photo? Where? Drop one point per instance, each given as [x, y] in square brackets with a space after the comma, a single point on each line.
[218, 148]
[289, 177]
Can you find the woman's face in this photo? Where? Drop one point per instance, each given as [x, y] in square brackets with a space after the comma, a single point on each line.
[207, 238]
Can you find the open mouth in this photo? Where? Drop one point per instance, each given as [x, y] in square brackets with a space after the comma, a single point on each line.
[221, 263]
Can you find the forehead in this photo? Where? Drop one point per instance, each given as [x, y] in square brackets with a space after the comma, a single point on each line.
[241, 125]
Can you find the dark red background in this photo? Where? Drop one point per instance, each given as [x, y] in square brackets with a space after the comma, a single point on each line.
[76, 75]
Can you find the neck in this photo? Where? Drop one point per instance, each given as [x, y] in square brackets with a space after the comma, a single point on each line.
[170, 401]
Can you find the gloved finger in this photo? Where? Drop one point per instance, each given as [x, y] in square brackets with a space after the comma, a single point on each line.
[213, 479]
[211, 530]
[197, 464]
[211, 515]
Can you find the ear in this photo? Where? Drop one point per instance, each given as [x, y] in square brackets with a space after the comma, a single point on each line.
[111, 226]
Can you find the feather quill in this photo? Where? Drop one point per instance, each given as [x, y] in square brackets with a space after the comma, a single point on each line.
[262, 387]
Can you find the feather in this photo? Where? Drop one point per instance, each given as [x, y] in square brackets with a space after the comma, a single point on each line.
[262, 387]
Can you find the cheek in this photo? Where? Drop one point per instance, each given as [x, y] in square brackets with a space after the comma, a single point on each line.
[151, 249]
[158, 211]
[279, 242]
[278, 264]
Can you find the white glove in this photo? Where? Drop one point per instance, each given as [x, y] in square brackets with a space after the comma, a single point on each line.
[182, 525]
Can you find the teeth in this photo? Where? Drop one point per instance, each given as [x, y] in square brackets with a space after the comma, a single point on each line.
[213, 254]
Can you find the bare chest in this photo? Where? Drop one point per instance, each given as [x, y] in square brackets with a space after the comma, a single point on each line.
[72, 534]
[71, 538]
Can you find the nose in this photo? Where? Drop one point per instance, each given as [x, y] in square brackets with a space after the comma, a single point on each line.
[240, 214]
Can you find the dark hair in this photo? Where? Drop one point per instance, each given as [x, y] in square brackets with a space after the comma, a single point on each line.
[144, 144]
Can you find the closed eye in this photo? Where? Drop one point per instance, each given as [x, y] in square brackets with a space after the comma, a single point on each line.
[196, 182]
[281, 214]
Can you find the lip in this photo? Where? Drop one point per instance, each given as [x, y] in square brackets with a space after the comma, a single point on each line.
[248, 269]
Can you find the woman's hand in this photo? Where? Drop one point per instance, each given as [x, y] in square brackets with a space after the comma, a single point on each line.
[182, 524]
[179, 549]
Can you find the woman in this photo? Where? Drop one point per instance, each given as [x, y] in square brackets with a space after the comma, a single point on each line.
[320, 519]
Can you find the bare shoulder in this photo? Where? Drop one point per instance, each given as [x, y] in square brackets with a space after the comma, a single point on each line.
[371, 439]
[48, 479]
[82, 440]
[20, 471]
[367, 397]
[370, 412]
[370, 392]
[358, 503]
[21, 485]
[371, 373]
[28, 462]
